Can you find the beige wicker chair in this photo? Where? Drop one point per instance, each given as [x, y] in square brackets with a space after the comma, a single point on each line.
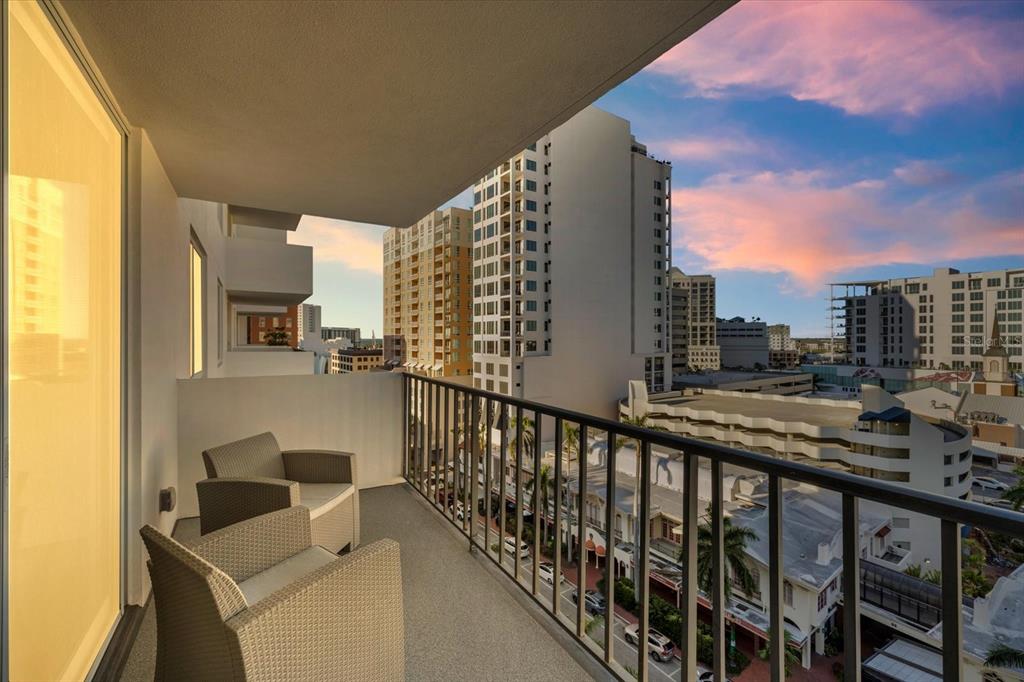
[259, 601]
[253, 476]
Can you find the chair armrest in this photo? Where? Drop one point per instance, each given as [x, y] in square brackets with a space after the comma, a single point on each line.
[244, 549]
[320, 466]
[343, 621]
[224, 501]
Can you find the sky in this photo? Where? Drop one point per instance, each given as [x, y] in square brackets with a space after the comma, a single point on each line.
[810, 142]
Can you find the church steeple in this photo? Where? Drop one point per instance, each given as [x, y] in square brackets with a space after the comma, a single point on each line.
[996, 359]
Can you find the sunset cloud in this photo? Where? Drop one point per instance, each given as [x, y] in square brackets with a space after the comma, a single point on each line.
[810, 229]
[358, 246]
[709, 148]
[862, 57]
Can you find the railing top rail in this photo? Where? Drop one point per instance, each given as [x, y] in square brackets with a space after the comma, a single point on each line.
[937, 506]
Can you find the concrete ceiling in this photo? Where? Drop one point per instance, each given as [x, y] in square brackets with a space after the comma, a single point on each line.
[369, 111]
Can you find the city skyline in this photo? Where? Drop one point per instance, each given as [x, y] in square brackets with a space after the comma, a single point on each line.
[809, 166]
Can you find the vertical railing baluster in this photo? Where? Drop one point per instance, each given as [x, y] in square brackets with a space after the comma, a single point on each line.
[488, 485]
[420, 434]
[643, 548]
[717, 570]
[503, 483]
[952, 603]
[609, 548]
[444, 473]
[474, 452]
[538, 495]
[556, 571]
[688, 664]
[435, 455]
[581, 533]
[516, 562]
[428, 391]
[776, 634]
[405, 426]
[467, 440]
[851, 588]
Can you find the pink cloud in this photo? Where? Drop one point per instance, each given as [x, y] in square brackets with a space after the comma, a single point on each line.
[709, 148]
[924, 174]
[799, 225]
[355, 245]
[862, 57]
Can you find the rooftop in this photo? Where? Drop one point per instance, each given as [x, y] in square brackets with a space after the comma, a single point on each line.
[817, 412]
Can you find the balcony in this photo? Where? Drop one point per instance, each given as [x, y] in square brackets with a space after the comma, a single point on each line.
[486, 599]
[266, 272]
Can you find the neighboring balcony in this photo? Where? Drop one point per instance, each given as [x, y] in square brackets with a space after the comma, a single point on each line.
[267, 272]
[252, 360]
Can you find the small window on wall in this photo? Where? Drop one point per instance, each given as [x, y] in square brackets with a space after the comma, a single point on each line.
[197, 307]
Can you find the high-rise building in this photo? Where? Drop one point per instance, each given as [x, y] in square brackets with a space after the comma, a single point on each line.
[570, 267]
[782, 350]
[353, 334]
[693, 323]
[428, 315]
[309, 322]
[941, 321]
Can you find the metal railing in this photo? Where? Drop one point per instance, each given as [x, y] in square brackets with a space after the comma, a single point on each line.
[449, 424]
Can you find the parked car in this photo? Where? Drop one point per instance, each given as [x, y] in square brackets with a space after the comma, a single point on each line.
[989, 483]
[593, 602]
[510, 547]
[546, 572]
[659, 646]
[709, 676]
[1002, 504]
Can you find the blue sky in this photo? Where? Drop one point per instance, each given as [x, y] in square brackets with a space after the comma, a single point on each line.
[810, 142]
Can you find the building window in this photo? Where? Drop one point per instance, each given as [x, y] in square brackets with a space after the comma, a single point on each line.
[531, 225]
[787, 593]
[531, 205]
[197, 306]
[531, 165]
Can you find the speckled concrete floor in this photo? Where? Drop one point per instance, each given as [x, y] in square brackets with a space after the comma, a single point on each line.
[460, 623]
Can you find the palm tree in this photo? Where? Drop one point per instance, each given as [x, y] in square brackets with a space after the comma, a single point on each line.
[1015, 495]
[546, 485]
[735, 539]
[640, 421]
[1002, 656]
[526, 429]
[790, 659]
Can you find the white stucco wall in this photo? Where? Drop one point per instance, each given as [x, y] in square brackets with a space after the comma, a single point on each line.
[360, 413]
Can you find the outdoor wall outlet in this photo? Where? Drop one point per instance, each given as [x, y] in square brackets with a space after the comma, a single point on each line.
[168, 498]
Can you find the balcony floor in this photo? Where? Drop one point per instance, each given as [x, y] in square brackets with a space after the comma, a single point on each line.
[461, 623]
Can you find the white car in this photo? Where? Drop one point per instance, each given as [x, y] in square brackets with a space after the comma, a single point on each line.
[1002, 504]
[546, 572]
[659, 646]
[989, 483]
[510, 547]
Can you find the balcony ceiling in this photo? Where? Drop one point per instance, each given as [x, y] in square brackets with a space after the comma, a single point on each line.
[375, 112]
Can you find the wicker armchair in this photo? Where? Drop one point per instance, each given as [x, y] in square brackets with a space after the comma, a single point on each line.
[253, 476]
[259, 601]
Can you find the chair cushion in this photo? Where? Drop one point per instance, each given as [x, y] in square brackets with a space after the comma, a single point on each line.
[321, 498]
[264, 584]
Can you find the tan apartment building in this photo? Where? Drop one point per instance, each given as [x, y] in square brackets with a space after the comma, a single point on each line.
[428, 294]
[694, 345]
[353, 360]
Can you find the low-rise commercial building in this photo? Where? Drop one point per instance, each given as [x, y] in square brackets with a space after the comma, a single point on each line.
[351, 360]
[877, 437]
[743, 344]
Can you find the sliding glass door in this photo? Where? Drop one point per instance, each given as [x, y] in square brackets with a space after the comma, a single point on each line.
[62, 245]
